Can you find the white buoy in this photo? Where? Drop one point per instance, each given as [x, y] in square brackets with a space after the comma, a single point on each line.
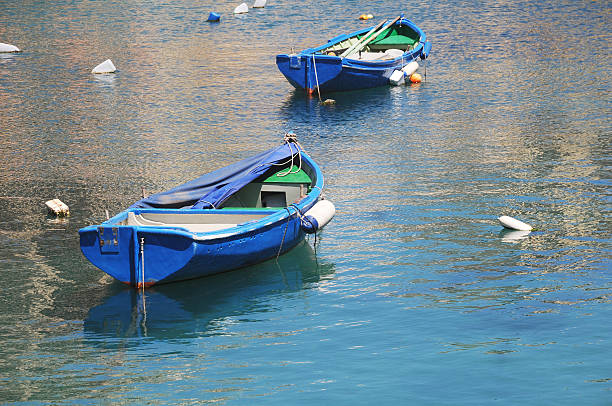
[259, 4]
[514, 224]
[318, 216]
[410, 68]
[8, 48]
[243, 8]
[105, 67]
[397, 78]
[57, 207]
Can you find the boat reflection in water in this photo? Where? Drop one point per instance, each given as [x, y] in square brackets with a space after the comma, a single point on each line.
[513, 236]
[199, 307]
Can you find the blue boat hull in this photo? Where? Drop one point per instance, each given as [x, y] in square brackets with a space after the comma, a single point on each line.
[152, 255]
[336, 75]
[310, 70]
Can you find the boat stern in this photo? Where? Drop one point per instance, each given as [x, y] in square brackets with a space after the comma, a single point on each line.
[112, 249]
[308, 70]
[137, 256]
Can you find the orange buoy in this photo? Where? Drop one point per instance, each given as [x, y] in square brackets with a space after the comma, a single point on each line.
[366, 16]
[415, 78]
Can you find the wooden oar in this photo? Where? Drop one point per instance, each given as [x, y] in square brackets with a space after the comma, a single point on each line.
[362, 39]
[362, 45]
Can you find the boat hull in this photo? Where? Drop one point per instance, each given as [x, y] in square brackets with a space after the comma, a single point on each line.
[145, 256]
[348, 75]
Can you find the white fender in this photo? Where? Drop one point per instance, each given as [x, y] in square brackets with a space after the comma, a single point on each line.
[8, 48]
[397, 78]
[514, 224]
[410, 68]
[318, 216]
[105, 67]
[243, 8]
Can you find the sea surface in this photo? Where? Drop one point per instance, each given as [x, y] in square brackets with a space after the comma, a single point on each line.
[413, 294]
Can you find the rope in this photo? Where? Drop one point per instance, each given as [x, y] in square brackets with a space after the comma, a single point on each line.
[316, 76]
[290, 170]
[301, 217]
[289, 139]
[142, 260]
[298, 212]
[144, 298]
[206, 201]
[304, 218]
[280, 248]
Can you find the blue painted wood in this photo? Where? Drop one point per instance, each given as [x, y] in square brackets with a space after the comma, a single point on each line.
[172, 254]
[213, 17]
[334, 73]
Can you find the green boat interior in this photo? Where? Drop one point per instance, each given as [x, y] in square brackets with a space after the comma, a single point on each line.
[388, 45]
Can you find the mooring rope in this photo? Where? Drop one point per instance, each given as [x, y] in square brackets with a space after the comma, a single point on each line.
[290, 170]
[144, 300]
[301, 216]
[142, 260]
[316, 76]
[206, 201]
[280, 248]
[289, 138]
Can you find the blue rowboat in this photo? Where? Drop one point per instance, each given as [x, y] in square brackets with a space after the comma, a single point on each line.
[236, 216]
[362, 59]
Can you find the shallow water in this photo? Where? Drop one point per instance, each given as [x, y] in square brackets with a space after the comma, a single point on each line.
[414, 294]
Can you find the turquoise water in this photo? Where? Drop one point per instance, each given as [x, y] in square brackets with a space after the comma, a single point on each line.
[413, 294]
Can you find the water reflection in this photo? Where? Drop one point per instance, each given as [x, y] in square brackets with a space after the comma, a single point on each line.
[202, 306]
[513, 236]
[105, 79]
[298, 102]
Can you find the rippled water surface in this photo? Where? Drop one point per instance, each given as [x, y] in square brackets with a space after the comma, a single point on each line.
[413, 294]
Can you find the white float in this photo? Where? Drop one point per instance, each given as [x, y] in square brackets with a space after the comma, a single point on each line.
[8, 48]
[514, 224]
[410, 68]
[259, 4]
[57, 207]
[397, 78]
[243, 8]
[318, 216]
[105, 67]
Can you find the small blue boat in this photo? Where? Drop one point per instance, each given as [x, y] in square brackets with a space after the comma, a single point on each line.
[362, 59]
[236, 216]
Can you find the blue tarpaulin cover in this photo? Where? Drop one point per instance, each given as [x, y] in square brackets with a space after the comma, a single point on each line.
[212, 189]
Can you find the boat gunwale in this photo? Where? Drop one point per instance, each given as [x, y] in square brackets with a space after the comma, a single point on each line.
[417, 49]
